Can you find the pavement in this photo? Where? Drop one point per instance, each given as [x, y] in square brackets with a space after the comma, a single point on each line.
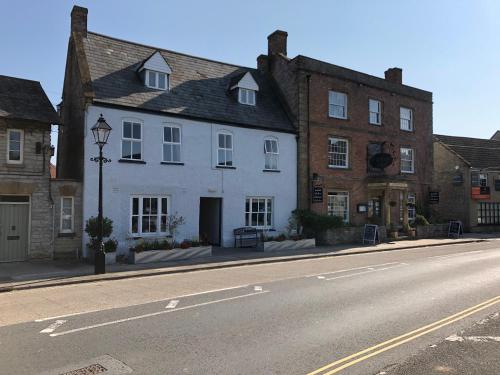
[361, 314]
[41, 274]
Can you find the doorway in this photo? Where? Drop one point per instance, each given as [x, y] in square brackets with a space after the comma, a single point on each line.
[210, 220]
[14, 228]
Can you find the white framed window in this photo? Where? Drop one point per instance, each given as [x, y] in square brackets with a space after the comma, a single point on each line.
[131, 140]
[172, 144]
[337, 104]
[375, 109]
[411, 201]
[225, 149]
[338, 153]
[246, 96]
[406, 119]
[407, 160]
[15, 146]
[483, 179]
[338, 204]
[67, 214]
[271, 154]
[148, 214]
[157, 80]
[259, 212]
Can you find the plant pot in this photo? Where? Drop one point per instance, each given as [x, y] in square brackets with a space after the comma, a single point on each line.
[110, 258]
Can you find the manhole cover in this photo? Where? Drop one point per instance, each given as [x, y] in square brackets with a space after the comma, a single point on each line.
[88, 370]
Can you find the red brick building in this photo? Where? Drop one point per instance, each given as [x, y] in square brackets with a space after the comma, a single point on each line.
[344, 118]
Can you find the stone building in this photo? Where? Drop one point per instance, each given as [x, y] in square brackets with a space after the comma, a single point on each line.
[32, 222]
[365, 143]
[467, 181]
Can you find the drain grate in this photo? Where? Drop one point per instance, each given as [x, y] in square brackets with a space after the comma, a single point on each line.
[88, 370]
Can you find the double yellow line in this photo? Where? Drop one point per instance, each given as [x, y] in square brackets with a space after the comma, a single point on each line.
[337, 366]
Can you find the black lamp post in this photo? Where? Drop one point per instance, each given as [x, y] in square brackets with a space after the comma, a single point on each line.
[101, 131]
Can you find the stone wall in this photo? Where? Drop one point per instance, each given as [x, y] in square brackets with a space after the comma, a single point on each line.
[347, 235]
[67, 245]
[432, 231]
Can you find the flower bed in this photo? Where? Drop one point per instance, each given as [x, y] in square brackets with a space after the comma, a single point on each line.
[152, 256]
[288, 245]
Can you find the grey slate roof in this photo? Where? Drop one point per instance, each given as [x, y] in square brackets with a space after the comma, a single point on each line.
[25, 100]
[479, 153]
[199, 88]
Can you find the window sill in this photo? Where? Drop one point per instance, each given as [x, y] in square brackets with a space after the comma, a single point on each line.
[171, 163]
[338, 118]
[339, 168]
[131, 161]
[66, 235]
[155, 235]
[407, 173]
[407, 131]
[13, 165]
[271, 170]
[224, 167]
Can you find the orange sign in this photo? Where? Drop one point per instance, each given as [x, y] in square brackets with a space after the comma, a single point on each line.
[482, 192]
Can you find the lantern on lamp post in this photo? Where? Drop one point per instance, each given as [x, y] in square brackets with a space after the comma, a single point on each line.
[100, 131]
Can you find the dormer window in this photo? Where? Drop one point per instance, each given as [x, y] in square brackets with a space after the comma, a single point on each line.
[157, 80]
[246, 96]
[155, 72]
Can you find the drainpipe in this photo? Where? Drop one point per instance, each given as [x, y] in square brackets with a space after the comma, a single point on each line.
[308, 78]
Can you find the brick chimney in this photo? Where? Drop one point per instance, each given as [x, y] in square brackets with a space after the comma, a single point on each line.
[79, 20]
[394, 75]
[263, 63]
[276, 43]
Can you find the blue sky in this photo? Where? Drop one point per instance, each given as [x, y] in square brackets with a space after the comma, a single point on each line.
[451, 48]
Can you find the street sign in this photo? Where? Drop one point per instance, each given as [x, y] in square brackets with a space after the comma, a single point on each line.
[455, 229]
[370, 234]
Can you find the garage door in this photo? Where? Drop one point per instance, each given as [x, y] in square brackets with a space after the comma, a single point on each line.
[14, 227]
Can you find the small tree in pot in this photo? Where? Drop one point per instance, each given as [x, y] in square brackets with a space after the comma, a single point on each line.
[92, 229]
[174, 221]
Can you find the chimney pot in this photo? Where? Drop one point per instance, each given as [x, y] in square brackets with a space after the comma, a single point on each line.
[276, 43]
[394, 75]
[79, 20]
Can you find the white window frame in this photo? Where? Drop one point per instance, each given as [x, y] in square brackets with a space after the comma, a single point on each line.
[249, 212]
[21, 146]
[140, 214]
[412, 159]
[483, 177]
[249, 98]
[132, 122]
[331, 205]
[378, 113]
[271, 154]
[411, 198]
[404, 120]
[331, 153]
[225, 149]
[172, 143]
[63, 216]
[157, 80]
[332, 104]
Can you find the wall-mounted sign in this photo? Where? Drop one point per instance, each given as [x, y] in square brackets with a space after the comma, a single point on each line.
[480, 192]
[362, 207]
[433, 196]
[317, 194]
[381, 160]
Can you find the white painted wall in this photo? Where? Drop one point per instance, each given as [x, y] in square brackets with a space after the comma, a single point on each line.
[198, 177]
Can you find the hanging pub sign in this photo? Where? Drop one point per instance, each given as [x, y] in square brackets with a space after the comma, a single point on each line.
[433, 196]
[317, 194]
[370, 234]
[381, 160]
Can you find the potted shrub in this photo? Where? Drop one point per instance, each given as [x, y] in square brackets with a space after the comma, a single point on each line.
[92, 229]
[110, 247]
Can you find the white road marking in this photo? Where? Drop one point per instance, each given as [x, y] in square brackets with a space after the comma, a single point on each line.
[257, 288]
[53, 326]
[154, 314]
[140, 303]
[351, 269]
[321, 277]
[473, 338]
[370, 270]
[172, 304]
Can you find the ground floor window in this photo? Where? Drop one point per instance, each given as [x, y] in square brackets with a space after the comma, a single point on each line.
[411, 200]
[67, 214]
[338, 204]
[488, 213]
[148, 214]
[259, 212]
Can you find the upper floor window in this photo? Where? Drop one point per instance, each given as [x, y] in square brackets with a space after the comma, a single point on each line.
[375, 108]
[271, 154]
[407, 160]
[479, 179]
[157, 80]
[15, 146]
[172, 144]
[338, 152]
[132, 140]
[225, 150]
[406, 118]
[67, 214]
[246, 96]
[337, 104]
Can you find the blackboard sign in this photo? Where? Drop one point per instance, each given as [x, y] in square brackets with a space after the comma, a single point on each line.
[433, 196]
[455, 229]
[370, 234]
[497, 185]
[317, 194]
